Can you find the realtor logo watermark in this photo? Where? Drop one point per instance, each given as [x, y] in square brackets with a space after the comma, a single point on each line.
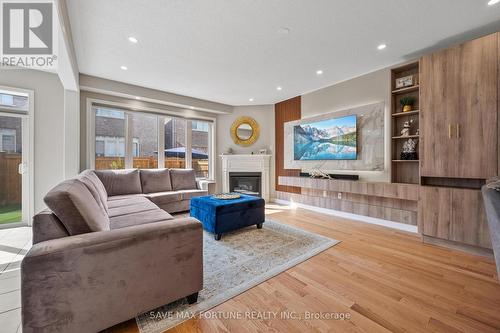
[28, 35]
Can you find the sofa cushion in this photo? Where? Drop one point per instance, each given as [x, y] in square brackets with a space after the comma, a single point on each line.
[126, 196]
[72, 202]
[150, 216]
[96, 187]
[126, 201]
[188, 194]
[132, 208]
[155, 180]
[183, 179]
[120, 182]
[161, 198]
[47, 226]
[175, 206]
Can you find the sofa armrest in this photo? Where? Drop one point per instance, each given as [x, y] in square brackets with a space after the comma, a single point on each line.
[491, 198]
[89, 282]
[207, 185]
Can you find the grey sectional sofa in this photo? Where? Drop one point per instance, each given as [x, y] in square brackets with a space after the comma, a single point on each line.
[491, 198]
[108, 249]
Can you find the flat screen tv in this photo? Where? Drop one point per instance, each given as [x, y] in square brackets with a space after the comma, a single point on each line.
[330, 139]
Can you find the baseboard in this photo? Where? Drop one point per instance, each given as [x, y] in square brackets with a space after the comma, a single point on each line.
[350, 216]
[458, 246]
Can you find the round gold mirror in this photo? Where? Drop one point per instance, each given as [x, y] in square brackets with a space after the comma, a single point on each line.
[245, 131]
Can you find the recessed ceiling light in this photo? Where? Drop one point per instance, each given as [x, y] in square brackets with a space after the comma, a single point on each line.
[137, 97]
[250, 99]
[124, 68]
[319, 72]
[383, 46]
[493, 2]
[284, 31]
[279, 88]
[133, 40]
[191, 107]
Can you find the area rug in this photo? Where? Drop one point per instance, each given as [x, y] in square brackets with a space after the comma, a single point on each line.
[238, 262]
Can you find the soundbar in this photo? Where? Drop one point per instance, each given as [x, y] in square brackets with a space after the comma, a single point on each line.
[333, 176]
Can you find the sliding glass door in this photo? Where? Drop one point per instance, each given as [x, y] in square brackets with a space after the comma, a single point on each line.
[14, 158]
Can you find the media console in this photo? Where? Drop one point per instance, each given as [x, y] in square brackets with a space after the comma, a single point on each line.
[388, 201]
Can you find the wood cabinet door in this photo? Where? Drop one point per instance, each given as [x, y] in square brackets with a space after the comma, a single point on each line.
[434, 211]
[439, 87]
[469, 224]
[476, 130]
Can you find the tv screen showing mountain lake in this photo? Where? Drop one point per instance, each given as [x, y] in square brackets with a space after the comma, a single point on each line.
[332, 139]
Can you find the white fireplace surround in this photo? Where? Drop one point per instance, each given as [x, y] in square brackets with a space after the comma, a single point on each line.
[247, 163]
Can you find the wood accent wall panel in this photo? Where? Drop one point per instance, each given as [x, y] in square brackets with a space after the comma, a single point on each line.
[285, 111]
[378, 189]
[389, 201]
[355, 207]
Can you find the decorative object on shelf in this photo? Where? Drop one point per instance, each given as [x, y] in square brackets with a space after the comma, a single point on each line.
[406, 81]
[316, 172]
[417, 132]
[245, 131]
[226, 196]
[319, 174]
[230, 151]
[407, 103]
[409, 150]
[263, 151]
[332, 176]
[406, 128]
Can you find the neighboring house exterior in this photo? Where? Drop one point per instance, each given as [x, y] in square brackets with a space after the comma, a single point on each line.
[10, 127]
[110, 134]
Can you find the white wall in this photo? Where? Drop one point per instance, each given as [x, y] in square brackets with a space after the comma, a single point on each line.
[264, 115]
[71, 133]
[48, 126]
[367, 89]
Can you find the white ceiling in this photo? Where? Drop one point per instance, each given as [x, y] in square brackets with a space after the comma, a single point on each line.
[230, 50]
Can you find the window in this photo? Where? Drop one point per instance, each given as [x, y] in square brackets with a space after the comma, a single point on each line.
[8, 139]
[198, 125]
[109, 139]
[13, 101]
[200, 147]
[144, 140]
[128, 139]
[175, 143]
[7, 100]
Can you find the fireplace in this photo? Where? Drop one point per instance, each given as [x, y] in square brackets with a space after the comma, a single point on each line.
[245, 183]
[247, 165]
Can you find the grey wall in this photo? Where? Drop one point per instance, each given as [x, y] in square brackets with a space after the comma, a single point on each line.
[264, 115]
[367, 89]
[49, 119]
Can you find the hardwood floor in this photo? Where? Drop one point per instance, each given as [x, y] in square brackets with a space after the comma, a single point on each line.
[387, 280]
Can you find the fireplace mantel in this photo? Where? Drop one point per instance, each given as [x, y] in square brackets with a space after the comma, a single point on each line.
[247, 163]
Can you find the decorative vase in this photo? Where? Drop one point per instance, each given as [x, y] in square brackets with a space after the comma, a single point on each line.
[407, 108]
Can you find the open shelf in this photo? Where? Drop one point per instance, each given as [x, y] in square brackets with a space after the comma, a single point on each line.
[405, 114]
[404, 171]
[406, 90]
[405, 137]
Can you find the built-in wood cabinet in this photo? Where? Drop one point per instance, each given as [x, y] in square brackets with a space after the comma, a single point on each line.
[459, 140]
[458, 105]
[453, 214]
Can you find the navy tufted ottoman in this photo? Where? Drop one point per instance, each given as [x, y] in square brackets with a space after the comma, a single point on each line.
[220, 216]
